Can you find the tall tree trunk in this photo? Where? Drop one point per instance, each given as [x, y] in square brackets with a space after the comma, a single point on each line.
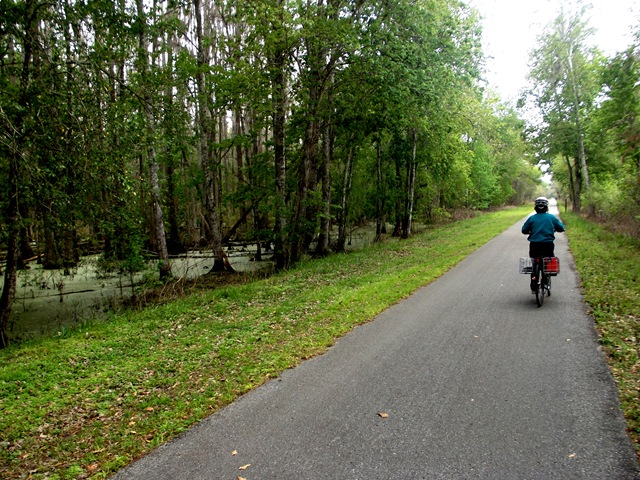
[399, 207]
[207, 136]
[26, 251]
[584, 171]
[380, 194]
[575, 202]
[237, 132]
[277, 67]
[11, 270]
[410, 182]
[260, 216]
[16, 152]
[325, 176]
[577, 185]
[174, 242]
[578, 119]
[306, 177]
[158, 230]
[160, 234]
[343, 216]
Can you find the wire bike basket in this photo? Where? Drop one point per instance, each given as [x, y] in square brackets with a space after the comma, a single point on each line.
[526, 265]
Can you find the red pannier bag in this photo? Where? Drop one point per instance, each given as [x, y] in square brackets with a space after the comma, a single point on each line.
[551, 265]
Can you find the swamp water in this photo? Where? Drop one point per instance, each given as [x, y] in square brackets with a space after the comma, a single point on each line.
[48, 301]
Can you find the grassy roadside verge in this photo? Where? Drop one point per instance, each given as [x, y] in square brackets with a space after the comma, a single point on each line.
[609, 268]
[88, 402]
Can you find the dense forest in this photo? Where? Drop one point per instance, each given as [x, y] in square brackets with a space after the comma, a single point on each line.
[150, 128]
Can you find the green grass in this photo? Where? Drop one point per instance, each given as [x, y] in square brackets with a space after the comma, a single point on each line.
[609, 268]
[86, 403]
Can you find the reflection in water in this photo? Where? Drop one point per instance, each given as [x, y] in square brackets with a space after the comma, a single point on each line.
[47, 301]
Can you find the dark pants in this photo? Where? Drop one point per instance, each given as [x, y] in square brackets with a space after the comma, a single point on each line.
[536, 250]
[541, 249]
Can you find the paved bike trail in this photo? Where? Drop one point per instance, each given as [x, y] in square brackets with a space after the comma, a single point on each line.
[473, 381]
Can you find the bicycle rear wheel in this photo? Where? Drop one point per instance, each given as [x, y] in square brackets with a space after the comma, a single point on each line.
[542, 289]
[548, 282]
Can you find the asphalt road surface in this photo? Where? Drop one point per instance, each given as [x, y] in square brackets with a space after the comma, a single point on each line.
[466, 379]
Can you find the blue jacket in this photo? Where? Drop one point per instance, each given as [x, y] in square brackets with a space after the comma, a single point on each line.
[541, 227]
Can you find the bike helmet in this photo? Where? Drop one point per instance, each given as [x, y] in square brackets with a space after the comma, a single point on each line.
[541, 205]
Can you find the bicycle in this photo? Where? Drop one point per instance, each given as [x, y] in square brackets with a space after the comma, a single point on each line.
[541, 270]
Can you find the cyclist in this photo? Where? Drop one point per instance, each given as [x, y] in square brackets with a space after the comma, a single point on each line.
[541, 229]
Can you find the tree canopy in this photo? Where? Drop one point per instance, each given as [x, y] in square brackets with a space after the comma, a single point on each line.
[588, 106]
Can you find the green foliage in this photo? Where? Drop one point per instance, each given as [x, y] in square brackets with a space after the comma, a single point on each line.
[615, 133]
[564, 72]
[606, 196]
[592, 114]
[127, 256]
